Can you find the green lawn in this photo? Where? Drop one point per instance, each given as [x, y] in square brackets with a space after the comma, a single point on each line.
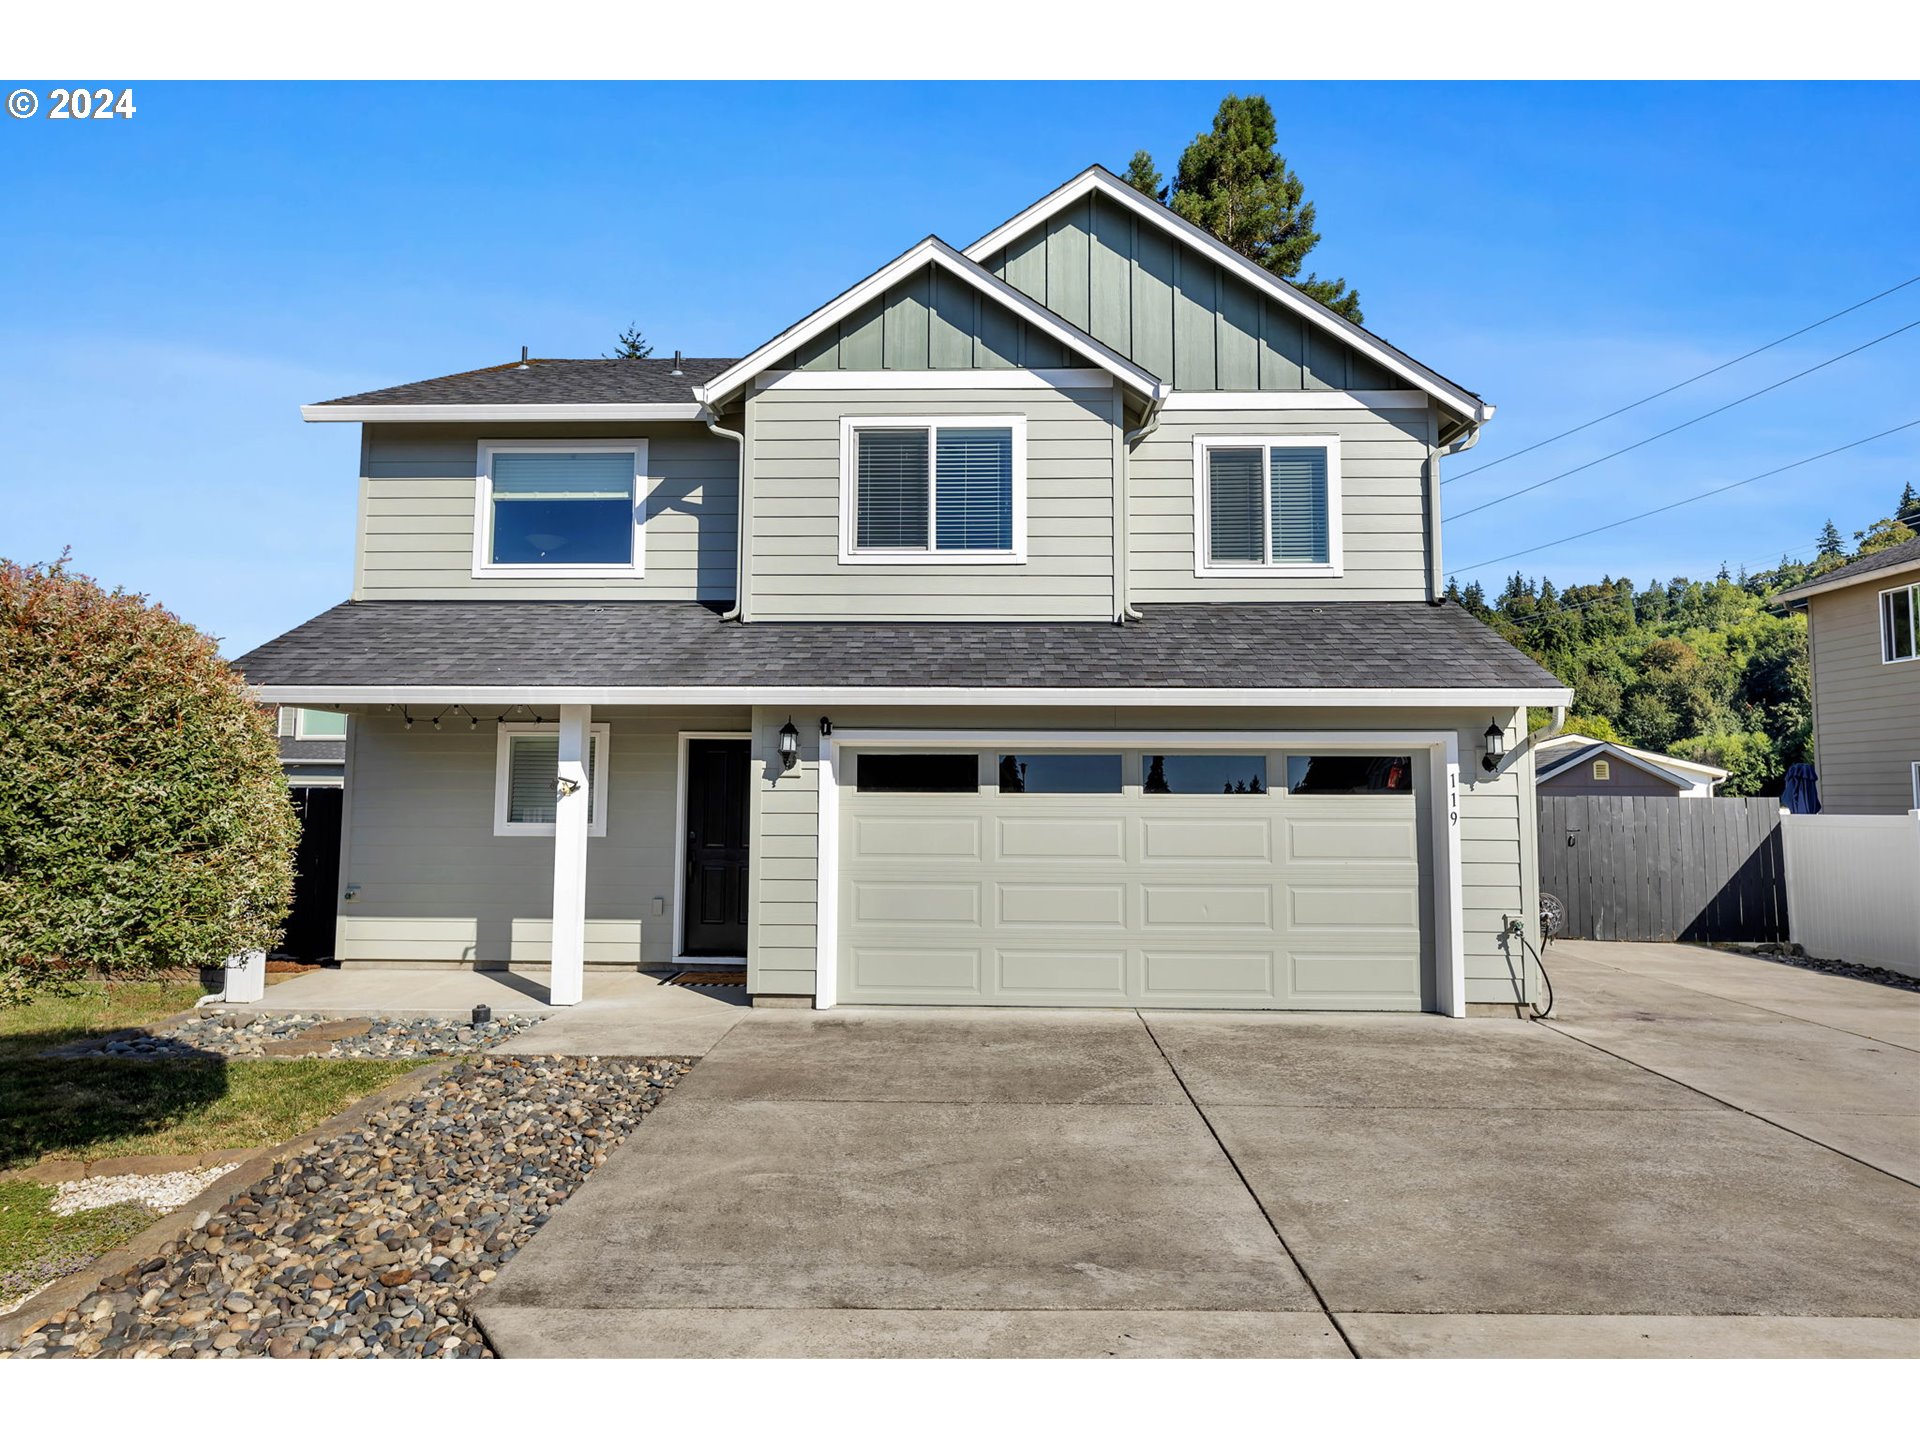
[37, 1246]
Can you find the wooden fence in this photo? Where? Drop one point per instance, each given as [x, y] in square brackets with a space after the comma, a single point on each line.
[1632, 867]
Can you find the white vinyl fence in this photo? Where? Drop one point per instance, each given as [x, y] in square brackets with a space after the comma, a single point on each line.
[1853, 887]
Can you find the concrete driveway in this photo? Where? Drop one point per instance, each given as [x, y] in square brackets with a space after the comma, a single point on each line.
[1700, 1155]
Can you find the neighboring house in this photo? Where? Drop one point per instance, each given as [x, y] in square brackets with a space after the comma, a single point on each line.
[313, 746]
[1863, 639]
[1052, 622]
[313, 755]
[1581, 765]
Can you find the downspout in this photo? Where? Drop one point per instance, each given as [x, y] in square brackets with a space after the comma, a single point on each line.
[1462, 442]
[711, 415]
[1122, 561]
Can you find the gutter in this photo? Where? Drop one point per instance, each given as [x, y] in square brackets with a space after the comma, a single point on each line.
[1149, 423]
[711, 417]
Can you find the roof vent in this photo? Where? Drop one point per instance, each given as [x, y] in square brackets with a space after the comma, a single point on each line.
[523, 360]
[676, 364]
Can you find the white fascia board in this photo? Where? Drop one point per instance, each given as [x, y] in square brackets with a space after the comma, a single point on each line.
[1096, 178]
[486, 414]
[930, 251]
[669, 695]
[1840, 580]
[1638, 759]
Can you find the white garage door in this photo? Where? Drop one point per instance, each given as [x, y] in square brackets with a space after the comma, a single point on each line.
[1269, 880]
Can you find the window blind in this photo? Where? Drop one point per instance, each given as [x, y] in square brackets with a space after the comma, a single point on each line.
[563, 475]
[1236, 533]
[533, 767]
[890, 511]
[973, 489]
[1299, 505]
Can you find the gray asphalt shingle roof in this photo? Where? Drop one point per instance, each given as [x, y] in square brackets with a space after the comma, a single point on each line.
[554, 382]
[1352, 644]
[1907, 552]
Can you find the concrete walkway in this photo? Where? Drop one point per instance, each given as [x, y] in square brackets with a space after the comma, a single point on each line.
[912, 1182]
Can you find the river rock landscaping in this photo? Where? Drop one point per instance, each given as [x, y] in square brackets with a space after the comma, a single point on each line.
[254, 1037]
[371, 1242]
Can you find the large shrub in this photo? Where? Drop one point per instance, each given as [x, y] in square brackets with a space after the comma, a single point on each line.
[144, 823]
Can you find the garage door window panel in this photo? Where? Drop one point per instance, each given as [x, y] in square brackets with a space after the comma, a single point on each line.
[886, 773]
[1065, 774]
[1205, 773]
[1350, 775]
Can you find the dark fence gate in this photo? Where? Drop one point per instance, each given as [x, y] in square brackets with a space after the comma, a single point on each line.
[1633, 867]
[316, 878]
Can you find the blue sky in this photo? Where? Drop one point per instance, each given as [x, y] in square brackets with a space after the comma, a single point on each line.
[172, 287]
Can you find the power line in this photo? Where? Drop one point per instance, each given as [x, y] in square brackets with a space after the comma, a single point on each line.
[1681, 385]
[1675, 505]
[1684, 424]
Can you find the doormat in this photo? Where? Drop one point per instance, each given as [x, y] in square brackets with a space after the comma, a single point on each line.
[710, 979]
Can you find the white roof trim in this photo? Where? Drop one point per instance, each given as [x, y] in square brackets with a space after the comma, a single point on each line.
[1840, 580]
[402, 414]
[777, 695]
[1098, 178]
[934, 251]
[1639, 759]
[1670, 762]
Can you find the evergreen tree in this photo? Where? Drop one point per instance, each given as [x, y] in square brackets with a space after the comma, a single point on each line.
[1907, 512]
[1832, 547]
[1233, 183]
[1453, 590]
[1724, 574]
[1142, 176]
[631, 345]
[1474, 600]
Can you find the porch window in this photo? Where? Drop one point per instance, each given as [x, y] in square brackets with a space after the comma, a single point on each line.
[1900, 624]
[933, 490]
[1267, 505]
[319, 725]
[562, 508]
[526, 772]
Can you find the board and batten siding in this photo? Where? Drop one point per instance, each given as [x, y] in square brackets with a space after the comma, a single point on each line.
[1866, 712]
[434, 884]
[1172, 309]
[933, 320]
[1498, 840]
[1383, 506]
[794, 519]
[417, 503]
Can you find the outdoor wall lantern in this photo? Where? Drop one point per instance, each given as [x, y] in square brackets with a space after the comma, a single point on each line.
[565, 785]
[826, 726]
[1496, 746]
[789, 745]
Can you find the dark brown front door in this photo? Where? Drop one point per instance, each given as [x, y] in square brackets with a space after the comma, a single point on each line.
[716, 909]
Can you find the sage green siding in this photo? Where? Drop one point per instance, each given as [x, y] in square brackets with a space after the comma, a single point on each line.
[794, 511]
[782, 894]
[1383, 500]
[435, 884]
[931, 321]
[1866, 713]
[1173, 310]
[417, 502]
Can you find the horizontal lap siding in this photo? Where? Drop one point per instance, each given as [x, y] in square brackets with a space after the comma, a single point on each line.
[1382, 506]
[435, 883]
[1499, 864]
[783, 882]
[416, 539]
[1867, 713]
[796, 572]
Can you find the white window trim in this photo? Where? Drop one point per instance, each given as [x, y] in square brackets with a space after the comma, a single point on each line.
[300, 728]
[502, 775]
[849, 490]
[1205, 567]
[483, 567]
[1912, 592]
[1916, 784]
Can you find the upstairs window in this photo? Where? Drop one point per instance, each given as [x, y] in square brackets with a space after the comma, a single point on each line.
[1900, 624]
[941, 491]
[559, 508]
[1266, 505]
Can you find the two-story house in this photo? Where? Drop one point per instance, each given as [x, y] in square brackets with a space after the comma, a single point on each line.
[1053, 622]
[1863, 644]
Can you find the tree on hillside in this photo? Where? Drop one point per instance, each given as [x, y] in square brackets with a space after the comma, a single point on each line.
[1233, 182]
[1832, 546]
[144, 821]
[631, 345]
[1907, 512]
[1883, 533]
[1144, 177]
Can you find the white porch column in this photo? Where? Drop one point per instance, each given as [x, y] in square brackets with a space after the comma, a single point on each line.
[570, 858]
